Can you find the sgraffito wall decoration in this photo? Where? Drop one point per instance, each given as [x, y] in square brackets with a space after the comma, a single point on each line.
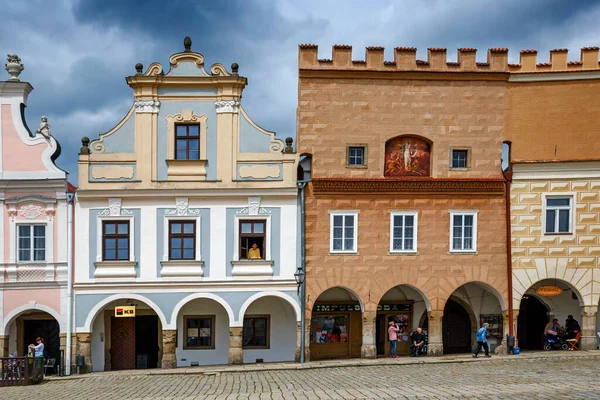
[407, 156]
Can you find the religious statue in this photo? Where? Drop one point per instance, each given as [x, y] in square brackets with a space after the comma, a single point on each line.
[44, 128]
[408, 155]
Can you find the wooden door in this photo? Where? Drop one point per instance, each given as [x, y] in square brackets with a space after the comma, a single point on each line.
[456, 329]
[122, 343]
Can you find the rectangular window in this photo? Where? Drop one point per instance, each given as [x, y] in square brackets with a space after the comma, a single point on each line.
[463, 231]
[403, 232]
[182, 240]
[343, 232]
[199, 332]
[32, 242]
[252, 239]
[256, 332]
[460, 158]
[356, 156]
[115, 240]
[187, 142]
[329, 329]
[558, 214]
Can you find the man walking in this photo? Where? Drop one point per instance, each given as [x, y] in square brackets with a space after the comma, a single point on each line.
[482, 341]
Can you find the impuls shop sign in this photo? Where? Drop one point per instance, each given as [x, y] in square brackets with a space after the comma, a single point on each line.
[549, 290]
[125, 311]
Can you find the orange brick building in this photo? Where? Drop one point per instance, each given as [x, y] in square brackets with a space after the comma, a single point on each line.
[406, 210]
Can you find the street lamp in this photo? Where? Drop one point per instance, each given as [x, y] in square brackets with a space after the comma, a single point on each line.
[299, 276]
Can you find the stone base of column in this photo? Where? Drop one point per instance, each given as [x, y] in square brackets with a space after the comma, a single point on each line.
[4, 346]
[84, 348]
[236, 353]
[435, 349]
[587, 343]
[368, 351]
[169, 357]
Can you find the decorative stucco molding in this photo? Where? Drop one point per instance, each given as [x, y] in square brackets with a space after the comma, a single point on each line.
[260, 171]
[396, 185]
[253, 208]
[147, 106]
[30, 211]
[181, 208]
[227, 106]
[113, 172]
[114, 206]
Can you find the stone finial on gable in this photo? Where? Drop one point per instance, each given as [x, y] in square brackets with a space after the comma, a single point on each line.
[187, 44]
[14, 67]
[85, 145]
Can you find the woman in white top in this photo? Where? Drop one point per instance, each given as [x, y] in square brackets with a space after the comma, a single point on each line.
[37, 349]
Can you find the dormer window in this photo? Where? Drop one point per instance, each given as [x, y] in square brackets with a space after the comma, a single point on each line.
[187, 142]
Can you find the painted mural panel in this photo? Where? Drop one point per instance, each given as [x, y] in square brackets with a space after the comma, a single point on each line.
[407, 156]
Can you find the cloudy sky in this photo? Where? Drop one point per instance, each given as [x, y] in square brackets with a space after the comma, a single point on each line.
[77, 53]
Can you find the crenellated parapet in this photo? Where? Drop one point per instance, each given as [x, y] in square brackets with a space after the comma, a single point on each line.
[405, 59]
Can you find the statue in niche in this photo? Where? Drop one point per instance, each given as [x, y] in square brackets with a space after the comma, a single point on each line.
[407, 156]
[44, 128]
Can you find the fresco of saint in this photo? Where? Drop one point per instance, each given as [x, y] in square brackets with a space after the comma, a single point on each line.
[407, 156]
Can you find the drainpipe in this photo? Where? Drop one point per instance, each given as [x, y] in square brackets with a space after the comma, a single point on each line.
[70, 197]
[301, 186]
[508, 179]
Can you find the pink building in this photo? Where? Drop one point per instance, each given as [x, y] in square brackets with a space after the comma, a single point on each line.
[34, 227]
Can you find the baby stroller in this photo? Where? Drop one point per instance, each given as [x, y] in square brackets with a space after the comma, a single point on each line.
[557, 342]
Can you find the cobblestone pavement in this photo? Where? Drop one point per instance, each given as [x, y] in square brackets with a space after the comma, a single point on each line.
[496, 379]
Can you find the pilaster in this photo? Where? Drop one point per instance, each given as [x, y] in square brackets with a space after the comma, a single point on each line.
[84, 348]
[236, 353]
[588, 328]
[368, 349]
[435, 343]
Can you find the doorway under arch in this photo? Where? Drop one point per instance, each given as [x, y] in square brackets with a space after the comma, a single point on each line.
[456, 328]
[31, 324]
[533, 317]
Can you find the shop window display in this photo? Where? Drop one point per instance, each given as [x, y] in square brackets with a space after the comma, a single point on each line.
[403, 323]
[329, 329]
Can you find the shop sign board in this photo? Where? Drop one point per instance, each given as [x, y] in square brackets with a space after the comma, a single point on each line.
[394, 307]
[125, 311]
[549, 290]
[336, 307]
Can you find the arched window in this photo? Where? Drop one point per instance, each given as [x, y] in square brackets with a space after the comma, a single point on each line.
[407, 156]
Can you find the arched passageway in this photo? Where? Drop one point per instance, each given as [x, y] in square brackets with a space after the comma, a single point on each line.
[24, 328]
[533, 316]
[456, 328]
[336, 325]
[404, 305]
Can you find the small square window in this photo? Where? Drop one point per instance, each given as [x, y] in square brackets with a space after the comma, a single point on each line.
[356, 156]
[460, 159]
[199, 332]
[255, 334]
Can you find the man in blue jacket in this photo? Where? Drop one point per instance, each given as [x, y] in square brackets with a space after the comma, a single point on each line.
[482, 341]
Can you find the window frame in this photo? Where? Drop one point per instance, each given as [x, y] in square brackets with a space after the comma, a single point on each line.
[213, 319]
[467, 160]
[354, 214]
[182, 236]
[474, 214]
[267, 241]
[572, 208]
[364, 157]
[100, 243]
[117, 236]
[268, 331]
[263, 235]
[32, 237]
[187, 139]
[415, 215]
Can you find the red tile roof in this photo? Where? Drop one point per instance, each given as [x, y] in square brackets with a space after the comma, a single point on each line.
[421, 62]
[529, 51]
[514, 65]
[574, 63]
[325, 60]
[342, 46]
[389, 63]
[437, 49]
[467, 49]
[412, 49]
[498, 50]
[590, 48]
[482, 64]
[359, 61]
[453, 63]
[546, 64]
[307, 46]
[559, 50]
[375, 47]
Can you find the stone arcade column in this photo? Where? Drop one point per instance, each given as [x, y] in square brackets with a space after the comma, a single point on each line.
[368, 349]
[588, 328]
[169, 358]
[4, 346]
[236, 353]
[84, 348]
[502, 349]
[298, 341]
[307, 340]
[435, 343]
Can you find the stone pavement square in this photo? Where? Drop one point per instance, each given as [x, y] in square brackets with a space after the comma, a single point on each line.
[557, 378]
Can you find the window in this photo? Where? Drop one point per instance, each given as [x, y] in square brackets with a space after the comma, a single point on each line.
[356, 156]
[403, 232]
[115, 240]
[558, 214]
[182, 240]
[463, 231]
[329, 328]
[343, 232]
[32, 242]
[187, 142]
[199, 332]
[460, 158]
[256, 332]
[252, 239]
